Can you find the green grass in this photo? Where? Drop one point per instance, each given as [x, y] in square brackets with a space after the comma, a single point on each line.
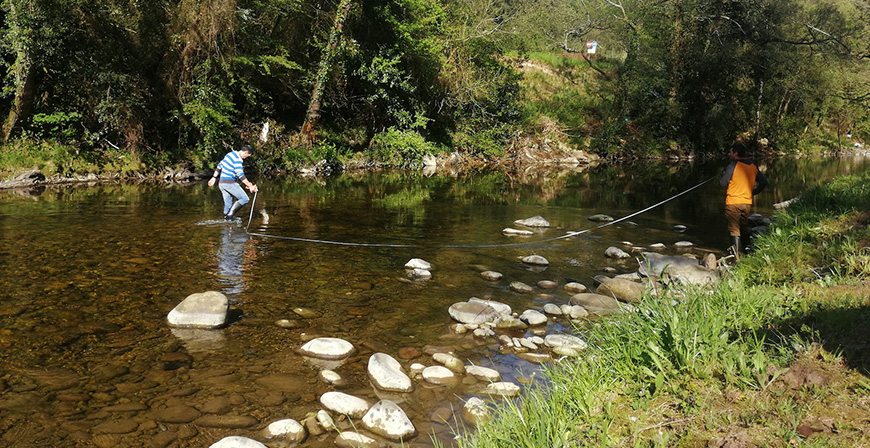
[698, 365]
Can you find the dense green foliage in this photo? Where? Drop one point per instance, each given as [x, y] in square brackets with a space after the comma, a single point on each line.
[173, 81]
[693, 74]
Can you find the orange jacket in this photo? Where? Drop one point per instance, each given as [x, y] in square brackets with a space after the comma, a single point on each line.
[741, 178]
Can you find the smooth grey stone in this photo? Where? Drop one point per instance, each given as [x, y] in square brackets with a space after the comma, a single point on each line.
[204, 310]
[388, 420]
[535, 221]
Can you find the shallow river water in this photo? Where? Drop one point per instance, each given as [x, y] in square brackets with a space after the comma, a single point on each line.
[89, 273]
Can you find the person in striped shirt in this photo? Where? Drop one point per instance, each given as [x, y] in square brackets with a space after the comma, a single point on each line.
[227, 175]
[743, 180]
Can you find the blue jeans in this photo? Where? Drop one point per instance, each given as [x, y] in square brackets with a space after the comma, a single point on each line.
[230, 192]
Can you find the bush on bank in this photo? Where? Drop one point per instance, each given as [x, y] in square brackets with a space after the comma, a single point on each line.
[704, 367]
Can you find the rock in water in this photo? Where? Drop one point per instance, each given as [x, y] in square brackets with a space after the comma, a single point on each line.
[595, 303]
[417, 263]
[615, 252]
[535, 221]
[536, 260]
[565, 345]
[601, 218]
[343, 403]
[237, 442]
[472, 312]
[620, 289]
[327, 348]
[387, 419]
[386, 374]
[202, 310]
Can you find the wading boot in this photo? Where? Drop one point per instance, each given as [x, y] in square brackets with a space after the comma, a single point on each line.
[230, 216]
[735, 246]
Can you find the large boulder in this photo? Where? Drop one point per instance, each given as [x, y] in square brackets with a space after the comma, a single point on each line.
[201, 310]
[681, 270]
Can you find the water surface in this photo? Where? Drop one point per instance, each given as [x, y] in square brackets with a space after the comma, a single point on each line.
[91, 271]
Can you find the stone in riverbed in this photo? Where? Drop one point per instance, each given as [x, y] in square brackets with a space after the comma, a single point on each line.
[327, 348]
[237, 442]
[343, 403]
[600, 218]
[491, 276]
[617, 253]
[417, 263]
[516, 232]
[683, 244]
[504, 389]
[565, 345]
[287, 429]
[536, 260]
[552, 309]
[475, 411]
[387, 419]
[620, 289]
[201, 310]
[349, 439]
[533, 317]
[449, 361]
[472, 312]
[483, 373]
[595, 303]
[386, 374]
[439, 375]
[331, 377]
[419, 274]
[535, 221]
[226, 421]
[575, 287]
[547, 284]
[521, 287]
[501, 308]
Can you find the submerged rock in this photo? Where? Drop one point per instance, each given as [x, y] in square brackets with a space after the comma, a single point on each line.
[475, 411]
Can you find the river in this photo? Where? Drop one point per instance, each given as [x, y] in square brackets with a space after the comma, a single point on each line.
[91, 271]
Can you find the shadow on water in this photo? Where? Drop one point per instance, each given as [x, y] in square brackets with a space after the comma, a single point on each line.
[93, 271]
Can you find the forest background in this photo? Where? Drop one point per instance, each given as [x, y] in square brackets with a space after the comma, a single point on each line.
[130, 86]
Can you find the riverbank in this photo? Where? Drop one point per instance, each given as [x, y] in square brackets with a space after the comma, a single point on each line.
[776, 355]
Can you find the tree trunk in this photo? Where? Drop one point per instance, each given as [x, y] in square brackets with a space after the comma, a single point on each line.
[25, 82]
[314, 106]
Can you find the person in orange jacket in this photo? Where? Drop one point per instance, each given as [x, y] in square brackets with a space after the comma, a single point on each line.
[743, 180]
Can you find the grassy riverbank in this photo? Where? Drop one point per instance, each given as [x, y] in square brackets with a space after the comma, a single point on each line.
[776, 355]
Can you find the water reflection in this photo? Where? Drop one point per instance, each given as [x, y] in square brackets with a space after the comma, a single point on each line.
[231, 254]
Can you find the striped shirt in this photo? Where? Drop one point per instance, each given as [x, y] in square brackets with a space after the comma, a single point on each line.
[231, 168]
